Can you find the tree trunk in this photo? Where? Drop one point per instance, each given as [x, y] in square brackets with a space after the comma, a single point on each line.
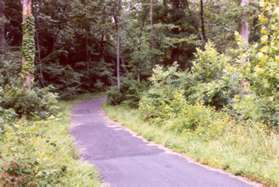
[195, 21]
[2, 27]
[151, 24]
[118, 59]
[152, 37]
[244, 28]
[38, 57]
[204, 38]
[26, 8]
[117, 20]
[165, 3]
[28, 44]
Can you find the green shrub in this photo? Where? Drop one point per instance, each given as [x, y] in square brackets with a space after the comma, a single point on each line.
[177, 114]
[265, 84]
[217, 80]
[64, 79]
[130, 92]
[209, 64]
[7, 116]
[31, 103]
[9, 68]
[114, 96]
[41, 154]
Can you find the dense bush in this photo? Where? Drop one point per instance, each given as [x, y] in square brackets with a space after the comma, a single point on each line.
[6, 116]
[18, 101]
[220, 81]
[41, 154]
[130, 92]
[31, 103]
[175, 113]
[9, 68]
[65, 80]
[264, 81]
[215, 80]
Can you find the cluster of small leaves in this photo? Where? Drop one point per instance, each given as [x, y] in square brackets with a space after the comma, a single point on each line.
[265, 75]
[130, 92]
[28, 46]
[269, 44]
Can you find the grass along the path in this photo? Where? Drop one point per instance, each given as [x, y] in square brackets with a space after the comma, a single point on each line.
[42, 153]
[240, 150]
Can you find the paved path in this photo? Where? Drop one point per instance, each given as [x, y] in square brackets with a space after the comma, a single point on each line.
[124, 160]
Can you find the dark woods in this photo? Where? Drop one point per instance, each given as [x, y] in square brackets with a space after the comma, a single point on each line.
[77, 41]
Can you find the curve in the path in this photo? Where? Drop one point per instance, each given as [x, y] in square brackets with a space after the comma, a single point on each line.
[125, 160]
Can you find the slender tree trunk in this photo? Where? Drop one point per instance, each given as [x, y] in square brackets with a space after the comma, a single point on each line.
[118, 59]
[28, 44]
[2, 27]
[165, 3]
[38, 57]
[244, 27]
[204, 38]
[117, 21]
[103, 33]
[195, 22]
[152, 36]
[87, 54]
[151, 23]
[26, 9]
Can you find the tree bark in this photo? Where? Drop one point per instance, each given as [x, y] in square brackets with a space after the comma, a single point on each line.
[26, 8]
[2, 27]
[204, 38]
[244, 28]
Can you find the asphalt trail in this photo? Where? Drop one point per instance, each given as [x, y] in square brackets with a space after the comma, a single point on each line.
[125, 160]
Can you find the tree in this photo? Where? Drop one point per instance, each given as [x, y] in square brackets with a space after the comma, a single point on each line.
[151, 25]
[244, 28]
[204, 38]
[116, 16]
[28, 44]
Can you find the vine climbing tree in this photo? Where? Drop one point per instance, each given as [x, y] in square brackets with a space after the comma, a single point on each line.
[28, 44]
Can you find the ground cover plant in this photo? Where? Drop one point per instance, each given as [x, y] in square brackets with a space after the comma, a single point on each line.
[41, 153]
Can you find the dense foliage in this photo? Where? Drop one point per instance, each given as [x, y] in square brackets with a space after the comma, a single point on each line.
[76, 41]
[36, 102]
[215, 81]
